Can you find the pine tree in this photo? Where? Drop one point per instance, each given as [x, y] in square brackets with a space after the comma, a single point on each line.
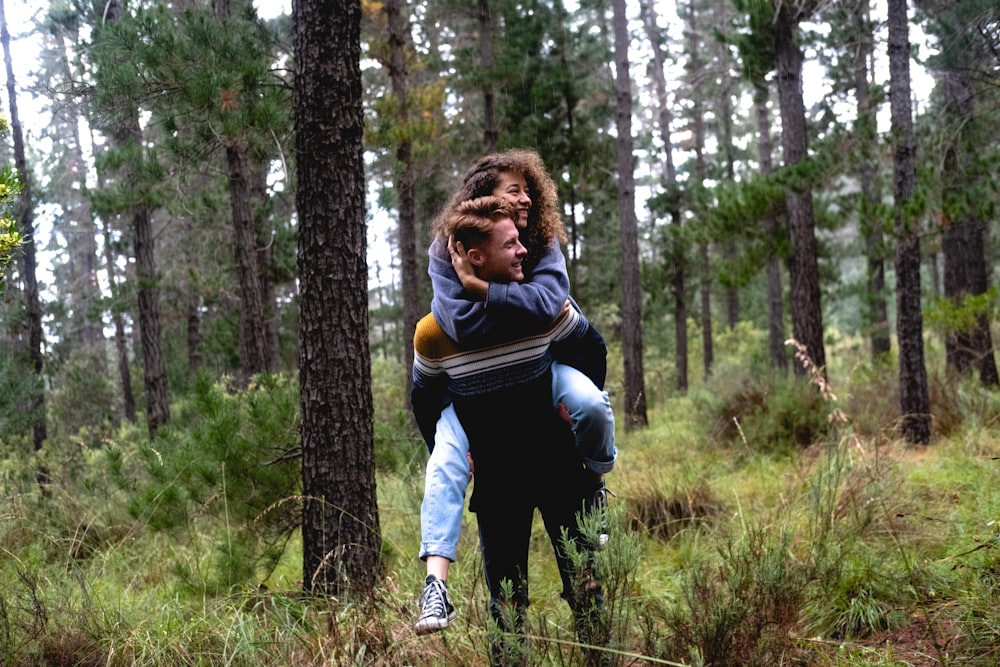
[116, 84]
[914, 401]
[404, 176]
[340, 524]
[965, 181]
[676, 251]
[755, 43]
[696, 77]
[807, 314]
[631, 309]
[29, 262]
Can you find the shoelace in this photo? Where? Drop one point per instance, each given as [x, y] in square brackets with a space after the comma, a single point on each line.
[433, 600]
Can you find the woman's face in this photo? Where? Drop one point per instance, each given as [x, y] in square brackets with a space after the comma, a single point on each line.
[512, 187]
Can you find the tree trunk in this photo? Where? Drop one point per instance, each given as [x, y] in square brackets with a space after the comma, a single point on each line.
[963, 238]
[700, 175]
[403, 178]
[121, 341]
[264, 232]
[127, 135]
[775, 294]
[254, 355]
[877, 313]
[676, 252]
[86, 291]
[724, 122]
[914, 401]
[807, 315]
[490, 133]
[632, 348]
[341, 539]
[29, 264]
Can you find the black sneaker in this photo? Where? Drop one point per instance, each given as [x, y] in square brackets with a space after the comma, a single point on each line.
[599, 503]
[436, 610]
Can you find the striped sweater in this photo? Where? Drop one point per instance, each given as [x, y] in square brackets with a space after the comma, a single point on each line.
[442, 369]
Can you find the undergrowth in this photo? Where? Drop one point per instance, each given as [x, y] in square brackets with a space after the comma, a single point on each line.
[758, 521]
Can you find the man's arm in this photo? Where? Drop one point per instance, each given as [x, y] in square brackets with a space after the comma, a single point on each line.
[578, 344]
[530, 305]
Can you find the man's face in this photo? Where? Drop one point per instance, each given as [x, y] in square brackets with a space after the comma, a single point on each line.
[498, 259]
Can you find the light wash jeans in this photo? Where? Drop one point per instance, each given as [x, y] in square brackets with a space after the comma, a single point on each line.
[447, 475]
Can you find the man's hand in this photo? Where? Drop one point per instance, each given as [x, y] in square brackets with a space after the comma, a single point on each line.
[465, 271]
[472, 466]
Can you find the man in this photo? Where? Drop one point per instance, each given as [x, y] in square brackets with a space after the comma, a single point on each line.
[502, 394]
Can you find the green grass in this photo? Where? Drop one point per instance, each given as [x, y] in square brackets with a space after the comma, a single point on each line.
[852, 549]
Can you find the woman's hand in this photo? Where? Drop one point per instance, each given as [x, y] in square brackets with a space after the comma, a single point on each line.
[465, 271]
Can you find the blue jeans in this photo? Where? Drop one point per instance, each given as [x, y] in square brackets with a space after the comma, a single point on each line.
[447, 475]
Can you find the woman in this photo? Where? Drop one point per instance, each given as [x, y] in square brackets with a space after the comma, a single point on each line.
[474, 313]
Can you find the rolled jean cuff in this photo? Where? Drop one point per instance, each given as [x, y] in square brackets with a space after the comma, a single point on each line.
[445, 549]
[600, 467]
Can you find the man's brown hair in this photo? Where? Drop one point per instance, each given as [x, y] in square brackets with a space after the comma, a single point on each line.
[473, 220]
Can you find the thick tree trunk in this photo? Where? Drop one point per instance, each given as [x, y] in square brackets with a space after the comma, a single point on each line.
[807, 315]
[632, 346]
[341, 539]
[29, 264]
[403, 179]
[914, 401]
[676, 252]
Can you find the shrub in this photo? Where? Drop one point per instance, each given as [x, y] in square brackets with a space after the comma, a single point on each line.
[768, 413]
[740, 610]
[231, 457]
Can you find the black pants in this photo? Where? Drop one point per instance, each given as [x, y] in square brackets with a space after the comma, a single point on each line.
[504, 535]
[525, 459]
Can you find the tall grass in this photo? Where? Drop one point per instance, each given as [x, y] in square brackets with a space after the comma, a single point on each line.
[735, 540]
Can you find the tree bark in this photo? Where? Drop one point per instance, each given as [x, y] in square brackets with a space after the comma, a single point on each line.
[632, 346]
[340, 524]
[807, 314]
[254, 355]
[913, 396]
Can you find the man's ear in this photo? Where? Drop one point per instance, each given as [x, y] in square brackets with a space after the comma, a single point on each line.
[476, 257]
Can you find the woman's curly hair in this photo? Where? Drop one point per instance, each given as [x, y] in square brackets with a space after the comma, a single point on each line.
[544, 219]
